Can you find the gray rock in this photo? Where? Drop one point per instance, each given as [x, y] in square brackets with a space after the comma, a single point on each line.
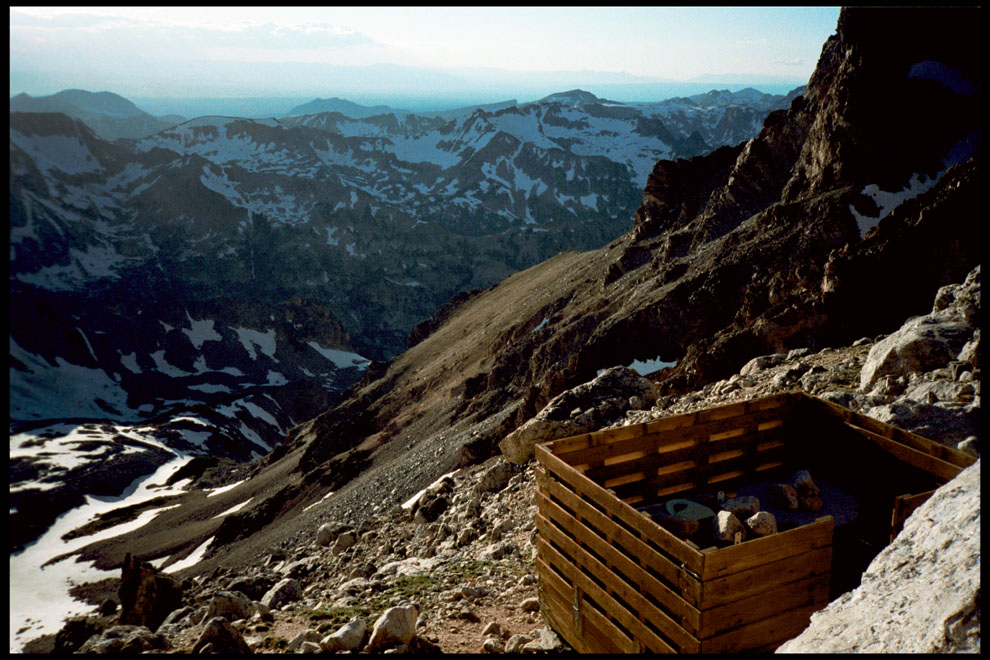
[221, 637]
[493, 628]
[809, 495]
[346, 638]
[784, 496]
[344, 541]
[762, 523]
[492, 645]
[494, 478]
[726, 525]
[309, 647]
[743, 506]
[516, 642]
[285, 591]
[546, 641]
[324, 535]
[396, 625]
[304, 636]
[758, 364]
[254, 587]
[125, 639]
[921, 594]
[530, 605]
[921, 344]
[232, 605]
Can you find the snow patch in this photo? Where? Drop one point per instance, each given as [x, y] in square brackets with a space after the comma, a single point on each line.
[341, 359]
[265, 341]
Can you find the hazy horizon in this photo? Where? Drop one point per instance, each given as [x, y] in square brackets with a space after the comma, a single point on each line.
[411, 58]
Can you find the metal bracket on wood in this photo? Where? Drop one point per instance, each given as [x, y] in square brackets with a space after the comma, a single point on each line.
[737, 539]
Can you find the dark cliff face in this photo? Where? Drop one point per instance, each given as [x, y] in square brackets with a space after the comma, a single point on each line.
[749, 250]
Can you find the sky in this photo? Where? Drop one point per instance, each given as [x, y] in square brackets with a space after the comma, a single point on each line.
[306, 51]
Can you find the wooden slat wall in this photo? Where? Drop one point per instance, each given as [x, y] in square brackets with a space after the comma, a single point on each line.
[611, 580]
[921, 444]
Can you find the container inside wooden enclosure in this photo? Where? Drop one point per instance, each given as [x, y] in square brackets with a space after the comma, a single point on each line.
[613, 580]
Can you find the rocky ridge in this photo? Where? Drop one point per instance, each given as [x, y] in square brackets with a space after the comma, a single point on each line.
[459, 553]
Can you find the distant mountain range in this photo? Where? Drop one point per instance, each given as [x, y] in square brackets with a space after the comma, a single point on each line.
[208, 285]
[109, 115]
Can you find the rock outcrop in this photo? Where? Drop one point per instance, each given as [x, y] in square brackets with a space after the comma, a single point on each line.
[921, 594]
[147, 595]
[581, 409]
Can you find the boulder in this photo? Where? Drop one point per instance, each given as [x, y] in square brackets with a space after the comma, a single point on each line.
[758, 364]
[346, 638]
[344, 541]
[546, 641]
[221, 637]
[726, 524]
[396, 625]
[762, 523]
[232, 605]
[305, 636]
[921, 594]
[494, 478]
[253, 587]
[146, 594]
[286, 591]
[125, 639]
[516, 642]
[785, 496]
[921, 344]
[809, 495]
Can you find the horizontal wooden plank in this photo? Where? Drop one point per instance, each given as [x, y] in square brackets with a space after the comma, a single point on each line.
[763, 634]
[696, 446]
[701, 475]
[667, 567]
[598, 453]
[755, 552]
[911, 456]
[680, 610]
[913, 440]
[782, 598]
[581, 562]
[621, 615]
[758, 579]
[576, 442]
[618, 509]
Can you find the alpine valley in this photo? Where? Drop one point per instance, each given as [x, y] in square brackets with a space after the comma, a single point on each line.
[248, 350]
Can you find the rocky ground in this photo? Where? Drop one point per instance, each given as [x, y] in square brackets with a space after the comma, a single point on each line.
[451, 569]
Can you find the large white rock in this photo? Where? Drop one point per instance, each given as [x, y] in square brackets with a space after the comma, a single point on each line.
[396, 625]
[921, 594]
[347, 638]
